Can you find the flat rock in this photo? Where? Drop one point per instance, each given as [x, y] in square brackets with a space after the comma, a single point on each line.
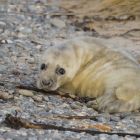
[25, 92]
[58, 23]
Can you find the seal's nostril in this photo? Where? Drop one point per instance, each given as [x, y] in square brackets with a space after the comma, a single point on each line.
[47, 82]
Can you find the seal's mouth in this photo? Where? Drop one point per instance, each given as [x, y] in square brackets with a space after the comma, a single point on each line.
[47, 86]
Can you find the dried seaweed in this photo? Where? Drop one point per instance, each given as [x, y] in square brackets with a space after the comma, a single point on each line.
[17, 123]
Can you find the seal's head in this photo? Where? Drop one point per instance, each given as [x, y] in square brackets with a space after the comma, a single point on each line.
[56, 68]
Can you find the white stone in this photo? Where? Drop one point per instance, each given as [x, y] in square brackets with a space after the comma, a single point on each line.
[58, 23]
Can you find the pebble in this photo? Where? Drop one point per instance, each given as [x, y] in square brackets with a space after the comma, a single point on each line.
[46, 98]
[75, 106]
[2, 24]
[58, 23]
[31, 60]
[38, 98]
[27, 93]
[25, 30]
[3, 68]
[5, 95]
[115, 137]
[129, 138]
[3, 41]
[9, 41]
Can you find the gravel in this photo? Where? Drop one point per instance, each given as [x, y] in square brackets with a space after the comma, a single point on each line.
[27, 32]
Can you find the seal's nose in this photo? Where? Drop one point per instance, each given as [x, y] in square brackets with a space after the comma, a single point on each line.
[47, 83]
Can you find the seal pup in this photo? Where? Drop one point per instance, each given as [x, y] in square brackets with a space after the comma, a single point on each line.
[85, 67]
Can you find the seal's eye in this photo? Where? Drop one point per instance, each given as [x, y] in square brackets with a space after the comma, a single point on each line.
[60, 71]
[43, 66]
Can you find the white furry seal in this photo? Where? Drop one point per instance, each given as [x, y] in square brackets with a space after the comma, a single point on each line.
[85, 67]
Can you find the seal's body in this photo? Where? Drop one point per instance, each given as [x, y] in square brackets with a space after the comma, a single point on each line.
[85, 67]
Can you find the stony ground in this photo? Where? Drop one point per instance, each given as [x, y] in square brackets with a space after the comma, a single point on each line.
[24, 35]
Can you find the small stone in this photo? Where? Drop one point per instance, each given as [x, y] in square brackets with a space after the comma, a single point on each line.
[5, 95]
[22, 132]
[24, 92]
[31, 60]
[58, 23]
[21, 35]
[115, 137]
[102, 119]
[2, 24]
[25, 30]
[37, 40]
[75, 106]
[115, 118]
[9, 41]
[39, 47]
[3, 68]
[11, 91]
[103, 137]
[46, 98]
[38, 98]
[129, 138]
[3, 41]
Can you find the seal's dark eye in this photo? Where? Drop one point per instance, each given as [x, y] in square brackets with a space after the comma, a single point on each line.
[43, 66]
[60, 71]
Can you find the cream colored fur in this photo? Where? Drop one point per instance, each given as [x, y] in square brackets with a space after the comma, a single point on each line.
[92, 69]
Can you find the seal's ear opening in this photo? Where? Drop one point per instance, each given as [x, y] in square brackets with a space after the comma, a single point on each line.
[43, 66]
